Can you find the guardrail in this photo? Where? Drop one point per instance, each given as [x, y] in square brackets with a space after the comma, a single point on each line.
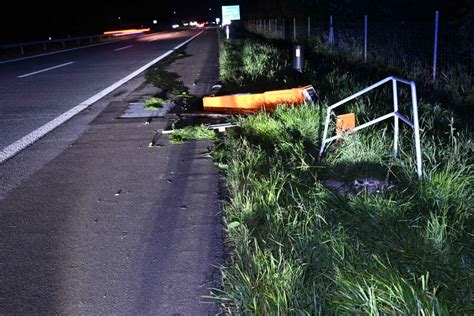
[63, 41]
[395, 114]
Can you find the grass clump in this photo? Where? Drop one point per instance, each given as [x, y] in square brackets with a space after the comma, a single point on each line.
[164, 79]
[301, 248]
[192, 133]
[153, 104]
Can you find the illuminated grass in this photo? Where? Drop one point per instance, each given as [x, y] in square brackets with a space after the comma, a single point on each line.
[153, 104]
[300, 248]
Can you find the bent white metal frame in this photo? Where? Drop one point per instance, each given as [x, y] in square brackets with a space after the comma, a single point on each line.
[395, 114]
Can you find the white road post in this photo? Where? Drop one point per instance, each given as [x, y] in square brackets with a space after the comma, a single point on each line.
[331, 32]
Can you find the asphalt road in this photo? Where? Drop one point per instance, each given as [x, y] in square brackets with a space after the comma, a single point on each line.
[105, 225]
[37, 90]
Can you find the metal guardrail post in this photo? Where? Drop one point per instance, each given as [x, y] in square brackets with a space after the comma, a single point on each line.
[365, 36]
[435, 48]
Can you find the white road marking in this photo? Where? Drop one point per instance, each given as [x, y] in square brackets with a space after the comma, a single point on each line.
[19, 145]
[59, 51]
[71, 49]
[47, 69]
[122, 48]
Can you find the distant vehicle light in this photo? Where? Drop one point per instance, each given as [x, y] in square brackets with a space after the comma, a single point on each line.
[155, 21]
[193, 23]
[186, 24]
[126, 32]
[201, 24]
[218, 20]
[175, 26]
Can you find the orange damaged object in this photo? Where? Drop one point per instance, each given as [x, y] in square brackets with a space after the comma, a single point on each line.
[267, 101]
[345, 122]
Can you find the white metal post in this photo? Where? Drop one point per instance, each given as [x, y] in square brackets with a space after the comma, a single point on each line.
[227, 31]
[365, 36]
[331, 32]
[294, 29]
[414, 102]
[435, 48]
[309, 27]
[325, 133]
[395, 118]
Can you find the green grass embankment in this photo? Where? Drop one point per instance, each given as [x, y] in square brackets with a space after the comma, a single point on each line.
[299, 247]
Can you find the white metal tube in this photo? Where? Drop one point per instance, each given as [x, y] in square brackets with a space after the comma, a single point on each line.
[408, 82]
[414, 102]
[395, 119]
[435, 48]
[404, 119]
[326, 126]
[375, 85]
[358, 128]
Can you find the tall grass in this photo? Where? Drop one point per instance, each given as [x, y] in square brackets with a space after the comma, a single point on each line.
[299, 247]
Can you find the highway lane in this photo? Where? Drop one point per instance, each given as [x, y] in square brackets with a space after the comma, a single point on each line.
[35, 91]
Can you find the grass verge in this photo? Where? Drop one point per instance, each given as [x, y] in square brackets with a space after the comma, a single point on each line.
[299, 247]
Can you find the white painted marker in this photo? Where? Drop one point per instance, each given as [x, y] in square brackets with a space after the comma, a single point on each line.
[47, 69]
[122, 48]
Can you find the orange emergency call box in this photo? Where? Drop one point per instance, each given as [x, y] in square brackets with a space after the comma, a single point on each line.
[267, 101]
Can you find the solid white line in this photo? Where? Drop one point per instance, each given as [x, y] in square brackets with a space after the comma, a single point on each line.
[32, 137]
[59, 51]
[122, 48]
[47, 69]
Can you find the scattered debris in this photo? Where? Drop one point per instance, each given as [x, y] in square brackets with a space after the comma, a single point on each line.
[371, 185]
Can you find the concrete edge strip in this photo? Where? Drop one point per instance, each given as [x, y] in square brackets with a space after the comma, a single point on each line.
[32, 137]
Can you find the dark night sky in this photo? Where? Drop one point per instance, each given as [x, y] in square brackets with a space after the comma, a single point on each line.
[25, 21]
[40, 19]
